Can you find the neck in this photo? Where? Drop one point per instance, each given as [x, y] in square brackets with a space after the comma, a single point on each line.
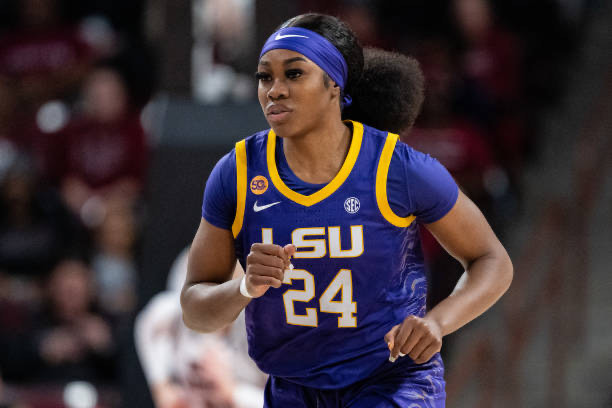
[317, 156]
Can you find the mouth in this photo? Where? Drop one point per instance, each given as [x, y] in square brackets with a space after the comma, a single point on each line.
[277, 113]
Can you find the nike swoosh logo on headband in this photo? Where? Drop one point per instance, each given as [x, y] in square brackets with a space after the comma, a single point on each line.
[280, 37]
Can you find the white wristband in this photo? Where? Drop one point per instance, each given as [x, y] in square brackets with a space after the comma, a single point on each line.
[243, 289]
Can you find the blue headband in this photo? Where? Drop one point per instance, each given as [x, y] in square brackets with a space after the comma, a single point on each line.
[314, 46]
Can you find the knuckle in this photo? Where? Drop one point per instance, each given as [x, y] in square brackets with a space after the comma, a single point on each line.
[253, 278]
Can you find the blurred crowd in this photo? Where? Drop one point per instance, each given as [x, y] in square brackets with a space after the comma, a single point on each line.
[73, 162]
[74, 79]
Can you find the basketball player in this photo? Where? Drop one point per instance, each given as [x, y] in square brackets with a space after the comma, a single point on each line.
[322, 216]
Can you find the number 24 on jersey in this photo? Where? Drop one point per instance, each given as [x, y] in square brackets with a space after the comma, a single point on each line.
[345, 307]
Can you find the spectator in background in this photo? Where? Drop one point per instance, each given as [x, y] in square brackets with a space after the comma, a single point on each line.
[104, 149]
[36, 229]
[113, 261]
[43, 56]
[492, 60]
[66, 339]
[43, 61]
[71, 339]
[185, 368]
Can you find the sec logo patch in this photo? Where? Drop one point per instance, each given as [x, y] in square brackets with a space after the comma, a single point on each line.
[259, 185]
[352, 205]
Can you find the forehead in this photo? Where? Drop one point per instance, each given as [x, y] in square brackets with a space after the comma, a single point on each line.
[282, 56]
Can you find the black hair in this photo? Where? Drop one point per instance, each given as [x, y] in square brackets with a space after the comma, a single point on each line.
[390, 93]
[341, 36]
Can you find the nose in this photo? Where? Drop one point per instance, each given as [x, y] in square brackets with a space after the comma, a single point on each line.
[278, 90]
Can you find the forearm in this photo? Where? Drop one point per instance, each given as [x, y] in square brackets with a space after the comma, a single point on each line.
[483, 283]
[209, 306]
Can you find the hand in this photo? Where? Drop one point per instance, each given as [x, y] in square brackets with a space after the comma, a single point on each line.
[75, 193]
[96, 333]
[60, 345]
[169, 395]
[217, 378]
[420, 338]
[266, 264]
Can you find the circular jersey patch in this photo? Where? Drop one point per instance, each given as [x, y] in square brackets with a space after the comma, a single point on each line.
[352, 205]
[259, 185]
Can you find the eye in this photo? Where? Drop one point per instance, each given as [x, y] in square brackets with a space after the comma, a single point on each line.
[293, 73]
[262, 76]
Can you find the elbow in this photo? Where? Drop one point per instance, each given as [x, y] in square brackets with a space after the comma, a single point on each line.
[192, 318]
[194, 325]
[506, 274]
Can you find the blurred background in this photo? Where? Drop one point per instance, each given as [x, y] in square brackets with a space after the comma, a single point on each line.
[113, 112]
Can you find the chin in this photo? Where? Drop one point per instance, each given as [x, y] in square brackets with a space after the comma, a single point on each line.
[283, 129]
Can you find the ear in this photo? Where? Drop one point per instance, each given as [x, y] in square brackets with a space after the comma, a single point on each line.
[336, 90]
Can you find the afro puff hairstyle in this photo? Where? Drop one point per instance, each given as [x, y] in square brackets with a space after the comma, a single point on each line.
[390, 92]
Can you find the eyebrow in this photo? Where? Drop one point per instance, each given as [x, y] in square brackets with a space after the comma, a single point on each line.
[286, 62]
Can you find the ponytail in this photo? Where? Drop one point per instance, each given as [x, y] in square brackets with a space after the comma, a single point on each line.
[390, 92]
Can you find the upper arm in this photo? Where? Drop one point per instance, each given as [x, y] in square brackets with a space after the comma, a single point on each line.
[211, 257]
[465, 233]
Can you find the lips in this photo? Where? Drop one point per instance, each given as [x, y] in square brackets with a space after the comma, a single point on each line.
[277, 113]
[276, 109]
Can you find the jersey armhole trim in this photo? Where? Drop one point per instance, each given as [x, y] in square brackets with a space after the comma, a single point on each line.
[241, 186]
[381, 185]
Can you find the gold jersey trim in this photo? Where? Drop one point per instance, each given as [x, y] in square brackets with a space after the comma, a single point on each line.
[381, 185]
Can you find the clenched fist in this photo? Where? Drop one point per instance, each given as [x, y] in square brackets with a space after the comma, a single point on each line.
[418, 337]
[266, 264]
